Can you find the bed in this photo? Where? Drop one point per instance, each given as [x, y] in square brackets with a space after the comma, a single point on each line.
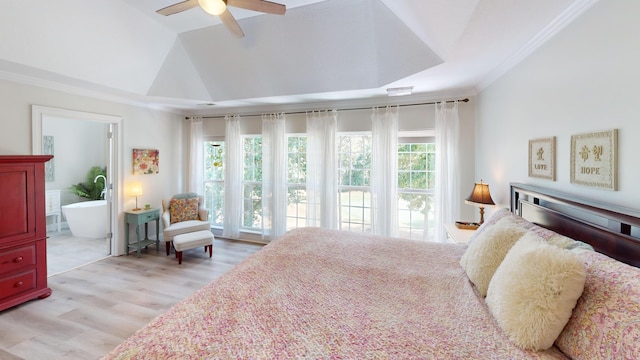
[324, 294]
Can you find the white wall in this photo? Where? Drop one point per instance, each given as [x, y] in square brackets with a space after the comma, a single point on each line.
[583, 80]
[143, 128]
[78, 146]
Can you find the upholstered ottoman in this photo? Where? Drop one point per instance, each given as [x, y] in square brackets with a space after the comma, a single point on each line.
[192, 240]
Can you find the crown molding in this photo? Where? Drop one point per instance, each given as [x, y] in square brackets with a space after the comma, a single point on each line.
[145, 102]
[82, 91]
[560, 22]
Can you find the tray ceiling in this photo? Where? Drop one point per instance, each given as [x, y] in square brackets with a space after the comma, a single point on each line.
[319, 51]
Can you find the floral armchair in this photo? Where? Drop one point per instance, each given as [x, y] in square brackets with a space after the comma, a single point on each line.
[181, 214]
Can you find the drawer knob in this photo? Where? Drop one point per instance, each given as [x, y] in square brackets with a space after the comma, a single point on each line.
[18, 259]
[18, 284]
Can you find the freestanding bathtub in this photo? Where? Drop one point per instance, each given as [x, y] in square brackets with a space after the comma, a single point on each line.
[87, 219]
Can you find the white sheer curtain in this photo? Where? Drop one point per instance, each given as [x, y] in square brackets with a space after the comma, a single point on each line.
[322, 180]
[384, 168]
[447, 203]
[233, 161]
[196, 157]
[274, 176]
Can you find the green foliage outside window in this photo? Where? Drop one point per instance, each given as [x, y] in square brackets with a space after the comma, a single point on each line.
[252, 159]
[214, 181]
[354, 160]
[252, 206]
[416, 171]
[416, 181]
[296, 168]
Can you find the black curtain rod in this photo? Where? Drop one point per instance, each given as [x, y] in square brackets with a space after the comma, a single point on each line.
[347, 109]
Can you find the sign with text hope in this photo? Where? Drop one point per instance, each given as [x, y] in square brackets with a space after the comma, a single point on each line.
[594, 159]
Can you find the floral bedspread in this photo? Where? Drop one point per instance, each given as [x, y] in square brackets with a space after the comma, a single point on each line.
[323, 294]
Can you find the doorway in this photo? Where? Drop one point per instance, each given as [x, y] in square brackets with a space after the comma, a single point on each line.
[81, 143]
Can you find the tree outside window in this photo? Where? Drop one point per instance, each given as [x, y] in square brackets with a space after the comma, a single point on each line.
[214, 181]
[252, 184]
[416, 186]
[354, 174]
[296, 182]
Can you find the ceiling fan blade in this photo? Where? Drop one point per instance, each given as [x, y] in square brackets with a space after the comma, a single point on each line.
[259, 5]
[179, 7]
[230, 22]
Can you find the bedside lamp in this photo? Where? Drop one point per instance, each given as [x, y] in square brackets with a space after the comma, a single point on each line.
[136, 190]
[480, 197]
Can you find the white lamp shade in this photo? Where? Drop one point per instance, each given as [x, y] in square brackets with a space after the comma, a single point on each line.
[136, 189]
[213, 7]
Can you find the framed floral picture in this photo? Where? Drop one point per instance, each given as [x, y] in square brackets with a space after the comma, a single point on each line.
[542, 158]
[594, 159]
[145, 161]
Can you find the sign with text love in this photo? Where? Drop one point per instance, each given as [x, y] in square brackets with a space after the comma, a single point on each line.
[542, 158]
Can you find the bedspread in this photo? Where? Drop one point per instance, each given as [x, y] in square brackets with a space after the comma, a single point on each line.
[324, 294]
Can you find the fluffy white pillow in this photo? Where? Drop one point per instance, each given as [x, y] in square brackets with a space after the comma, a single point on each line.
[534, 291]
[485, 253]
[564, 242]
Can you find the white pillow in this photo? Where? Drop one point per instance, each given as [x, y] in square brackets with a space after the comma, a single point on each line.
[485, 253]
[534, 291]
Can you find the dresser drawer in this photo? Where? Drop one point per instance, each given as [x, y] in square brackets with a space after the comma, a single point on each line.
[17, 258]
[150, 216]
[52, 202]
[142, 217]
[52, 207]
[17, 284]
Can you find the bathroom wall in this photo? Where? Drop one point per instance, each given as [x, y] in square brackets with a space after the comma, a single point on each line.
[78, 145]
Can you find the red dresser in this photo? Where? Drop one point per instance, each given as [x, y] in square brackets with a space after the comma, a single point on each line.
[23, 231]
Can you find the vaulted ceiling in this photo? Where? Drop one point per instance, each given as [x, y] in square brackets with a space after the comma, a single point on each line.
[318, 52]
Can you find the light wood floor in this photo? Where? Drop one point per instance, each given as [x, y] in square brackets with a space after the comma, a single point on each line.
[65, 251]
[97, 306]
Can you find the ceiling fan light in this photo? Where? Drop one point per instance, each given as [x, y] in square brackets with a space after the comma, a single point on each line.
[213, 7]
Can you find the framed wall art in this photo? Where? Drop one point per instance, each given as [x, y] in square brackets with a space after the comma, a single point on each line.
[542, 158]
[594, 159]
[49, 166]
[146, 161]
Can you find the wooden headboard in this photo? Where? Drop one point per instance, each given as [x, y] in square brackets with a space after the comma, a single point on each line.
[611, 230]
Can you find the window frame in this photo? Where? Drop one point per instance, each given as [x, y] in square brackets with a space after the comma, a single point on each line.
[420, 231]
[296, 212]
[254, 184]
[346, 212]
[211, 199]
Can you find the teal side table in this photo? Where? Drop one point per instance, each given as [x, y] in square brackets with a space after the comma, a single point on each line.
[138, 218]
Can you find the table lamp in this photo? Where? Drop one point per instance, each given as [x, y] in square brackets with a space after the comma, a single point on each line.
[136, 190]
[480, 197]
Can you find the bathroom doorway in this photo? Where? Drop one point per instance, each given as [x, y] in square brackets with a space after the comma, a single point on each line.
[85, 152]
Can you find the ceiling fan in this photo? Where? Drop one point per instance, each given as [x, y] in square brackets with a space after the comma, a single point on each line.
[219, 8]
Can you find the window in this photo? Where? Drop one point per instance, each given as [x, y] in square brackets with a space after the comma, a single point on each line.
[416, 186]
[416, 183]
[252, 184]
[296, 182]
[354, 173]
[214, 181]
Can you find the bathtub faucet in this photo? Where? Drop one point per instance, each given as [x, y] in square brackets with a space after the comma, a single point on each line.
[104, 190]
